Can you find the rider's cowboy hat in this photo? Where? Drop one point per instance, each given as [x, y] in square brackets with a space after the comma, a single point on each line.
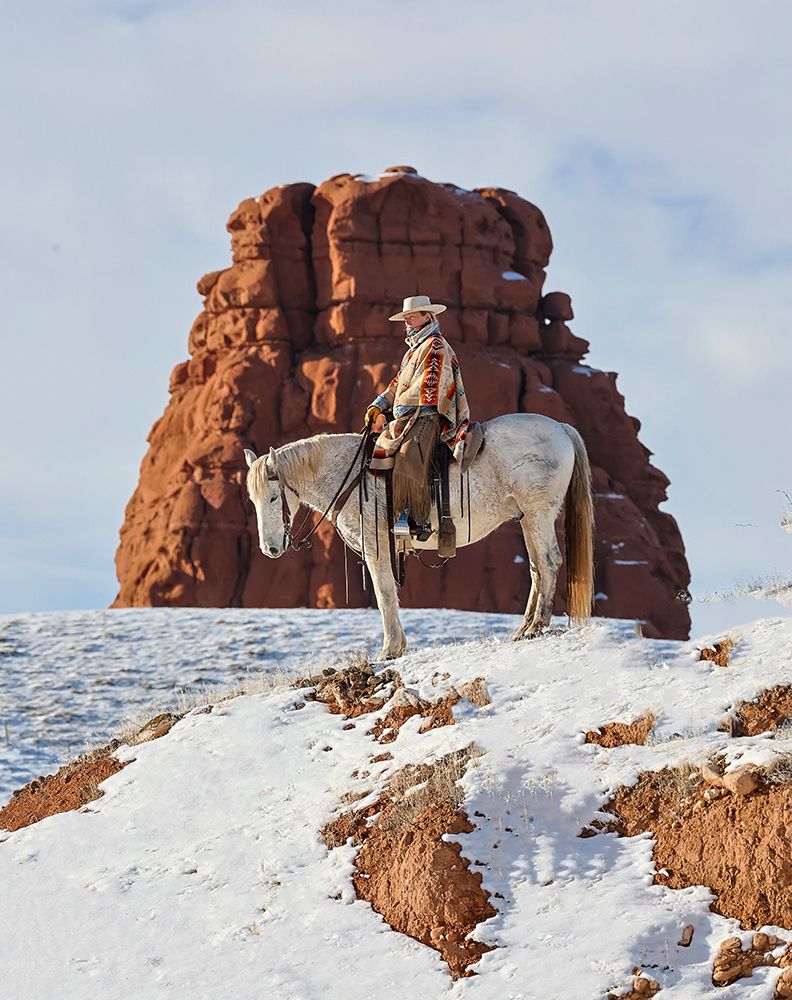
[418, 303]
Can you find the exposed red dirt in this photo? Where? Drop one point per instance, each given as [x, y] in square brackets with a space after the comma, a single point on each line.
[766, 712]
[420, 883]
[719, 653]
[351, 690]
[619, 734]
[436, 713]
[735, 839]
[71, 787]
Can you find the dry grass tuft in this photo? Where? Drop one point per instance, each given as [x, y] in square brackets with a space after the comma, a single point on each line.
[786, 517]
[779, 771]
[250, 684]
[417, 787]
[678, 788]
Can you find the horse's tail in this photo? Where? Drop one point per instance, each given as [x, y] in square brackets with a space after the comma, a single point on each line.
[579, 533]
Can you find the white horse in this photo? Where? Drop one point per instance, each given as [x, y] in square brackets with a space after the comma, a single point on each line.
[530, 465]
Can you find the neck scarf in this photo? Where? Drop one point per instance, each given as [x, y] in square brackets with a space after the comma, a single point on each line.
[428, 329]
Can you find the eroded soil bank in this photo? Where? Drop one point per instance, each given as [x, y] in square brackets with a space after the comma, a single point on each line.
[71, 787]
[765, 713]
[418, 881]
[740, 845]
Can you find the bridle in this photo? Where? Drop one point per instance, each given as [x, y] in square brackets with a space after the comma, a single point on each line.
[288, 540]
[290, 537]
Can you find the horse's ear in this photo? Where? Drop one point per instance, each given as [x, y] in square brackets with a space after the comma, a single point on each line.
[272, 461]
[250, 456]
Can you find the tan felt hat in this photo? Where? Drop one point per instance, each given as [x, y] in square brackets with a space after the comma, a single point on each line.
[418, 303]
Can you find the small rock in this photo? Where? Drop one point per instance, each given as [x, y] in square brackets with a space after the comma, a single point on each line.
[783, 990]
[741, 781]
[405, 697]
[687, 937]
[710, 775]
[156, 727]
[645, 987]
[728, 974]
[476, 692]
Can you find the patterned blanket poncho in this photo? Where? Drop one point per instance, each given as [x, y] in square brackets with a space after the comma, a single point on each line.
[428, 381]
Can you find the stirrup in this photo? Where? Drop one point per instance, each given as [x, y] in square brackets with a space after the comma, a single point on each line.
[421, 532]
[401, 527]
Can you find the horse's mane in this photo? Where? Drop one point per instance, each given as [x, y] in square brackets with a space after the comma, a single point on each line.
[297, 462]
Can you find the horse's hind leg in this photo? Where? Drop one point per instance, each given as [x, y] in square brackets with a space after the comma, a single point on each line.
[533, 596]
[545, 555]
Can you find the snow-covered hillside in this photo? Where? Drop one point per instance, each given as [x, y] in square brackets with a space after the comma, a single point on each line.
[201, 871]
[68, 679]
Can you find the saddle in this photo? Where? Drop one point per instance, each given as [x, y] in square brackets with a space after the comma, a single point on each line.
[422, 482]
[446, 535]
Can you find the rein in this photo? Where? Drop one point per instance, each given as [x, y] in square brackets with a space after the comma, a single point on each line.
[289, 536]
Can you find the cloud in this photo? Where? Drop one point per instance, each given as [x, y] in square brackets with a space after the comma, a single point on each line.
[651, 136]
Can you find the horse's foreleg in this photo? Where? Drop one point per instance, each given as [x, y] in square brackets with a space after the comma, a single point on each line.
[394, 641]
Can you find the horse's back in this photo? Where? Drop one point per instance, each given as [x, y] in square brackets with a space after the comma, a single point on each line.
[520, 418]
[533, 446]
[525, 427]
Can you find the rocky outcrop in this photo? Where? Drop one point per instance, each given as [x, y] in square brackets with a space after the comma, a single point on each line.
[294, 339]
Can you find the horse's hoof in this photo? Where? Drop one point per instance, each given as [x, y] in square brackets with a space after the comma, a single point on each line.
[390, 654]
[524, 632]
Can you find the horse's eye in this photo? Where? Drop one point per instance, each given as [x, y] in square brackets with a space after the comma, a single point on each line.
[273, 499]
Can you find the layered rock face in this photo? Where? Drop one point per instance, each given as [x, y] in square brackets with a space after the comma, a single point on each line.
[294, 340]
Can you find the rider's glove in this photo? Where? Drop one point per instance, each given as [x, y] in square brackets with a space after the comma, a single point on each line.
[372, 413]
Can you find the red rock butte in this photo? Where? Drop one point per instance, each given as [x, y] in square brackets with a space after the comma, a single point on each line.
[294, 340]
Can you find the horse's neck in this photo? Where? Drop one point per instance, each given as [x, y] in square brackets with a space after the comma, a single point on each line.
[334, 457]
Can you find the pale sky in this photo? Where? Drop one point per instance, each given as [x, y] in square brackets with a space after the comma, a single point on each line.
[654, 136]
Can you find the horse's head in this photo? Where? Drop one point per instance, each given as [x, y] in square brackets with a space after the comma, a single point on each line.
[273, 511]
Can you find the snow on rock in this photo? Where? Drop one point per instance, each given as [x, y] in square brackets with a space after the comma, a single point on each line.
[201, 871]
